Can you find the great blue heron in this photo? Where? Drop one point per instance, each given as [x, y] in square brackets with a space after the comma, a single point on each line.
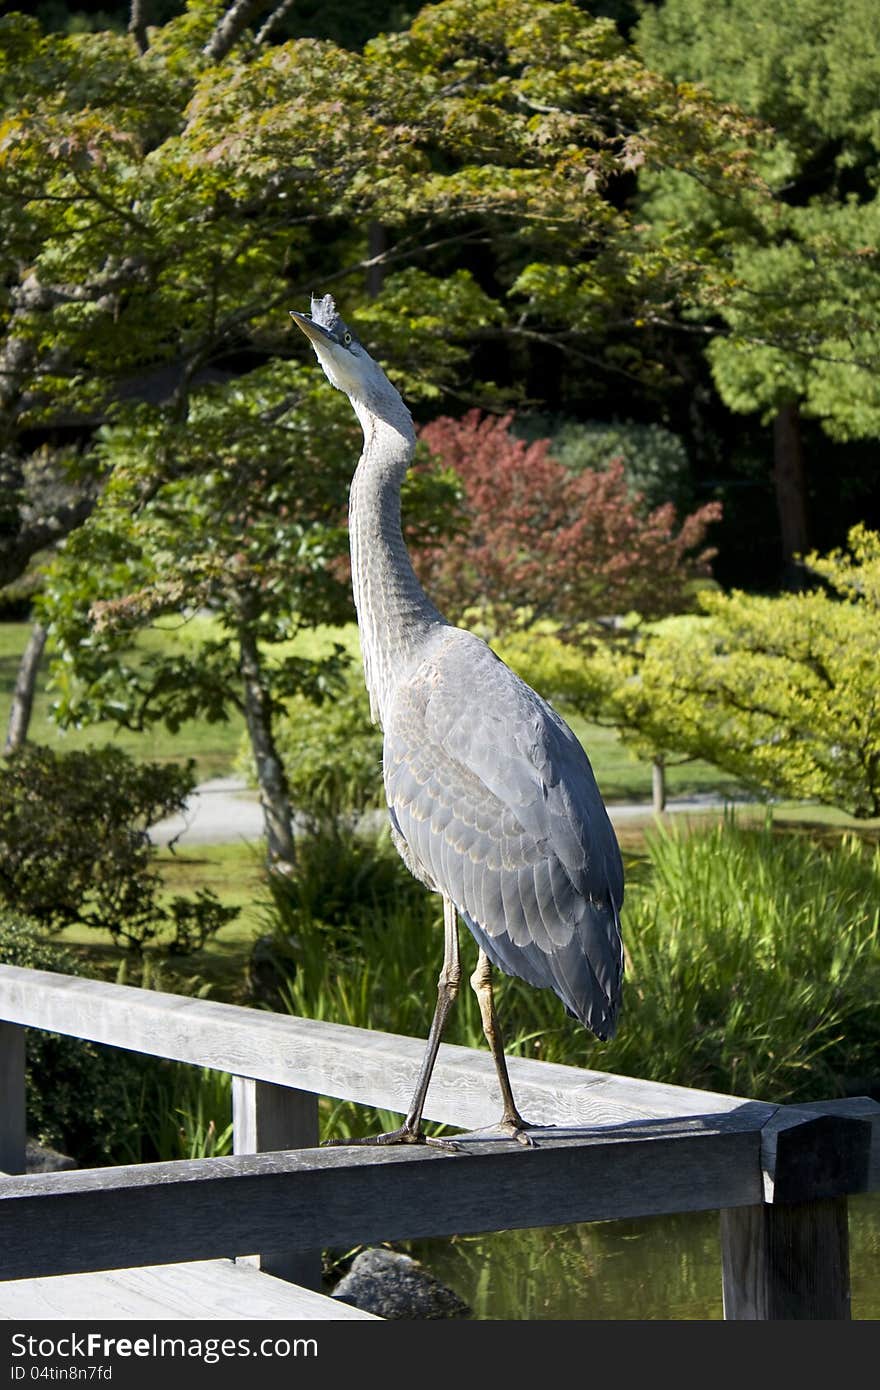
[492, 800]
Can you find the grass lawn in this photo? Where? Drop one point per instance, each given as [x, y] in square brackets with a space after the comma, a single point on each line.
[232, 871]
[215, 746]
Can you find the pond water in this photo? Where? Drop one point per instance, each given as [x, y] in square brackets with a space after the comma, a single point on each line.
[667, 1267]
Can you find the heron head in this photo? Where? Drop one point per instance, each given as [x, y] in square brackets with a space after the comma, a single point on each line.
[347, 364]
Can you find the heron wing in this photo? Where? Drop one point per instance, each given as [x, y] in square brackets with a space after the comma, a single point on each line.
[494, 803]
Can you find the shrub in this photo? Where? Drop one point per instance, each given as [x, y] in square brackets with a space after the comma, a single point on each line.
[78, 1093]
[655, 461]
[74, 845]
[753, 965]
[572, 546]
[343, 883]
[332, 752]
[779, 692]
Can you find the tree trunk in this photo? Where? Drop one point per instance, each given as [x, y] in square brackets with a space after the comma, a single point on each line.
[272, 783]
[789, 480]
[25, 687]
[137, 24]
[377, 245]
[658, 785]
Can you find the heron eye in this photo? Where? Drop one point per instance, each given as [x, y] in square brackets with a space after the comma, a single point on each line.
[346, 338]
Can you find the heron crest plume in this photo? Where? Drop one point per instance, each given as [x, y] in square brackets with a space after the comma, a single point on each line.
[325, 314]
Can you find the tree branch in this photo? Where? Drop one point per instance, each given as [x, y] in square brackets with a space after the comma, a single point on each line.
[274, 19]
[137, 24]
[234, 21]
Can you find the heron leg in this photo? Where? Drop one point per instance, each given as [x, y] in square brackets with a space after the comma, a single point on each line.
[410, 1132]
[481, 983]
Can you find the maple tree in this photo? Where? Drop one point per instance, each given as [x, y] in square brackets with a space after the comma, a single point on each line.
[779, 691]
[543, 541]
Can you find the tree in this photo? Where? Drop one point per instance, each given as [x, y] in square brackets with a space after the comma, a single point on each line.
[786, 287]
[780, 692]
[547, 542]
[166, 195]
[237, 515]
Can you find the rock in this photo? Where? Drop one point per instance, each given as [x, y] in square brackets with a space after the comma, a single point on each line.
[41, 1159]
[391, 1285]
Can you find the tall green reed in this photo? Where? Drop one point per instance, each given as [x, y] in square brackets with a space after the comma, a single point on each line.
[752, 965]
[175, 1110]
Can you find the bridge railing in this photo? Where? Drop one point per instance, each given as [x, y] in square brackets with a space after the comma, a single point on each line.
[616, 1147]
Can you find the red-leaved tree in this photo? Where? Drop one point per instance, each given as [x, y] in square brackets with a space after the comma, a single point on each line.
[574, 547]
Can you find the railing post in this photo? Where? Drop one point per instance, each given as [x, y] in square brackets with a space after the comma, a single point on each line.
[786, 1261]
[789, 1258]
[265, 1118]
[13, 1135]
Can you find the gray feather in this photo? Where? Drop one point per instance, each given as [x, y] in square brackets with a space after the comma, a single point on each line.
[497, 805]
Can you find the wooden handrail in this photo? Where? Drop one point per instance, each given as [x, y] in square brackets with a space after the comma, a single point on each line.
[204, 1208]
[618, 1147]
[370, 1067]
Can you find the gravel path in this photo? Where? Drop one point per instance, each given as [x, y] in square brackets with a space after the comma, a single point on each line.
[224, 809]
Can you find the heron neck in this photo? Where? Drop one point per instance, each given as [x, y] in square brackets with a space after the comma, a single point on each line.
[394, 613]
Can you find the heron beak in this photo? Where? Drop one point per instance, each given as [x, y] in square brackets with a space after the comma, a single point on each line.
[316, 335]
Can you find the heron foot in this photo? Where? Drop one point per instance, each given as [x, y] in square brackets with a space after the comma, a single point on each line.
[403, 1135]
[515, 1127]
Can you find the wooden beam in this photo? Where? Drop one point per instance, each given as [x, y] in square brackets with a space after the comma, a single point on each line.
[207, 1290]
[13, 1126]
[266, 1118]
[807, 1153]
[372, 1068]
[789, 1258]
[158, 1213]
[786, 1261]
[867, 1111]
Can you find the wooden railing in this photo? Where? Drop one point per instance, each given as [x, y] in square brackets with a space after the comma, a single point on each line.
[615, 1147]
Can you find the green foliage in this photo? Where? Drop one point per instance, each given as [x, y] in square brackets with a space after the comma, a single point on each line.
[161, 211]
[332, 753]
[212, 517]
[177, 1112]
[655, 461]
[793, 278]
[74, 846]
[77, 1092]
[809, 71]
[753, 965]
[780, 692]
[342, 881]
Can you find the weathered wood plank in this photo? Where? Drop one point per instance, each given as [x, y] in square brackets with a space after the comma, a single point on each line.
[787, 1261]
[159, 1213]
[266, 1118]
[209, 1290]
[868, 1112]
[13, 1137]
[377, 1069]
[808, 1152]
